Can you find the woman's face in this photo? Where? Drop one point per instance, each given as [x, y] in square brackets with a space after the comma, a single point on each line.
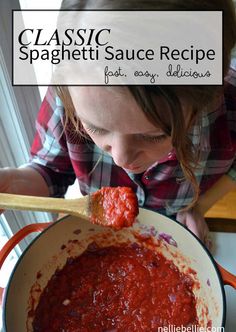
[116, 124]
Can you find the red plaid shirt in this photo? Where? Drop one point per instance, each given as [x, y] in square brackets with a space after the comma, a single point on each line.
[61, 156]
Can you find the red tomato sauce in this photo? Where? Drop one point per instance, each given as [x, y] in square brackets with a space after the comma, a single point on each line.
[124, 288]
[116, 207]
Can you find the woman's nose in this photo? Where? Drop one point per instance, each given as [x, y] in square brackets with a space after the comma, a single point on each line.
[123, 150]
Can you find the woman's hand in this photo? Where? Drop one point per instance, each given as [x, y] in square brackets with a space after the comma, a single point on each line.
[22, 181]
[195, 221]
[6, 177]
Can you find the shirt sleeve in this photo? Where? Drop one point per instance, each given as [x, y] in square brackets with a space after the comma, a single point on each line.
[230, 103]
[232, 171]
[49, 153]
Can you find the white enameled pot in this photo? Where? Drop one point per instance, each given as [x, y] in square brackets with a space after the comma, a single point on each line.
[70, 236]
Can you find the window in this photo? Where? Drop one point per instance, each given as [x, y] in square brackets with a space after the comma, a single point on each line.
[39, 4]
[19, 107]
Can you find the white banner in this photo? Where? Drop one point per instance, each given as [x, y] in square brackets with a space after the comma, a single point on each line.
[118, 48]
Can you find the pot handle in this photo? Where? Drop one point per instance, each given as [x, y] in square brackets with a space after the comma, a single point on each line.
[228, 278]
[16, 238]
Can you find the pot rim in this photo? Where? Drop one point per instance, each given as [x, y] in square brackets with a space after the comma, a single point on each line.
[5, 295]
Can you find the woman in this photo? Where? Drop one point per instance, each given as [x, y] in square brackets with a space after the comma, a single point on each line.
[175, 146]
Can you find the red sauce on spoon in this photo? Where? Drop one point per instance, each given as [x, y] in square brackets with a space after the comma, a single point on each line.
[116, 207]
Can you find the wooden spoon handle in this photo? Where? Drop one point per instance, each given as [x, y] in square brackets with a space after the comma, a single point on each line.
[20, 202]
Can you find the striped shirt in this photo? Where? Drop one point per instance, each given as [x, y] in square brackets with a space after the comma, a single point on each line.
[60, 155]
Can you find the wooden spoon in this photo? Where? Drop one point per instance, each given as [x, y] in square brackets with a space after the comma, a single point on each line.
[116, 207]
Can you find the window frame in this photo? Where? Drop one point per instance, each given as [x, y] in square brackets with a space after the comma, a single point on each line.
[20, 105]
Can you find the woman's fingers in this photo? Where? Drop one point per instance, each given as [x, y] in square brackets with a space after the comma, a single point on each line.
[197, 224]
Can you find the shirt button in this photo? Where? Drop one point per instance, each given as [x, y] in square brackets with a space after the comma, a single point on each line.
[146, 177]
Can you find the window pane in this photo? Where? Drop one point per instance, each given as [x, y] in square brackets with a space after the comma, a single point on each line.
[5, 234]
[40, 4]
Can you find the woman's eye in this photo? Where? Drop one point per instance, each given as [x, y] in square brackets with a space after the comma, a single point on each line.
[154, 139]
[93, 130]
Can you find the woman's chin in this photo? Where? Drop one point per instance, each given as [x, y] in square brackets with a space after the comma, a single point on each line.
[136, 170]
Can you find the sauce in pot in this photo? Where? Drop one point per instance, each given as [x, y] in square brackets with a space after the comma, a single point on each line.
[118, 288]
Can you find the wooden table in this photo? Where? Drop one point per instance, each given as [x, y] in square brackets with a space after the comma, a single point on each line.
[222, 216]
